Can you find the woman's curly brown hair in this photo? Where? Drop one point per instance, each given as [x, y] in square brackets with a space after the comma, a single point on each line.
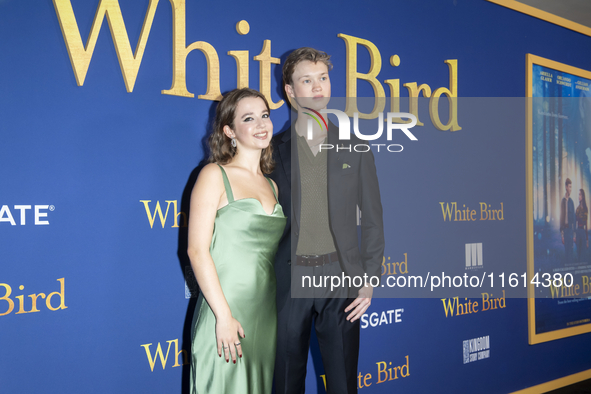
[220, 147]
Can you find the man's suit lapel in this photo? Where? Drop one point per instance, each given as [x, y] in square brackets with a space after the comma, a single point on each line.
[333, 167]
[285, 155]
[289, 159]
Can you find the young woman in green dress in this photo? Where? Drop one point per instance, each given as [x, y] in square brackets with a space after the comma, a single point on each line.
[234, 228]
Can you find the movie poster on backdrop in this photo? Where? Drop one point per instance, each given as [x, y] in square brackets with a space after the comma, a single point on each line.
[558, 191]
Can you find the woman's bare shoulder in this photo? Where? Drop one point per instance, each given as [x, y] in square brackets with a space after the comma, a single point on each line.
[210, 178]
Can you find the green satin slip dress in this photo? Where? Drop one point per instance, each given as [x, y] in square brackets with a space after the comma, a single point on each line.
[243, 248]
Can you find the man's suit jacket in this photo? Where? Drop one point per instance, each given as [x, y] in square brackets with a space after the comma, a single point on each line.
[352, 181]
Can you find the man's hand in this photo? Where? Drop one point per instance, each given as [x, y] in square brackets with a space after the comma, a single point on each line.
[360, 304]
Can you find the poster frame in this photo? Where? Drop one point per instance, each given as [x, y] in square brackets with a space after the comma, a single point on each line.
[533, 337]
[544, 15]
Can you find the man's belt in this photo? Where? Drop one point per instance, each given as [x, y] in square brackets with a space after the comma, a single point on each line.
[317, 260]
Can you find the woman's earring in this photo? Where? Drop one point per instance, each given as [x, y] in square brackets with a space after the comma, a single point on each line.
[233, 142]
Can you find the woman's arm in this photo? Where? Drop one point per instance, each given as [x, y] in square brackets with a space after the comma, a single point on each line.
[205, 200]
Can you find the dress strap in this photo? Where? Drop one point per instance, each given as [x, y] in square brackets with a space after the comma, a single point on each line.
[227, 185]
[273, 187]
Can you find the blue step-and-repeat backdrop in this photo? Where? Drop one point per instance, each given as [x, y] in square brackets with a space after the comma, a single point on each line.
[104, 110]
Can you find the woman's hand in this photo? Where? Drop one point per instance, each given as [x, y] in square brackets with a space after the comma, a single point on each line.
[228, 332]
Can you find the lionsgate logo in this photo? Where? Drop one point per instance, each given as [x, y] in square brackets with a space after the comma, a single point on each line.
[345, 130]
[474, 256]
[476, 349]
[26, 214]
[376, 319]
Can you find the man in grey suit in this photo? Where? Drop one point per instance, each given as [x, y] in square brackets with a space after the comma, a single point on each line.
[320, 190]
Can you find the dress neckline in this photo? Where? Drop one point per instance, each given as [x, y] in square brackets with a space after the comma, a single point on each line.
[260, 205]
[231, 199]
